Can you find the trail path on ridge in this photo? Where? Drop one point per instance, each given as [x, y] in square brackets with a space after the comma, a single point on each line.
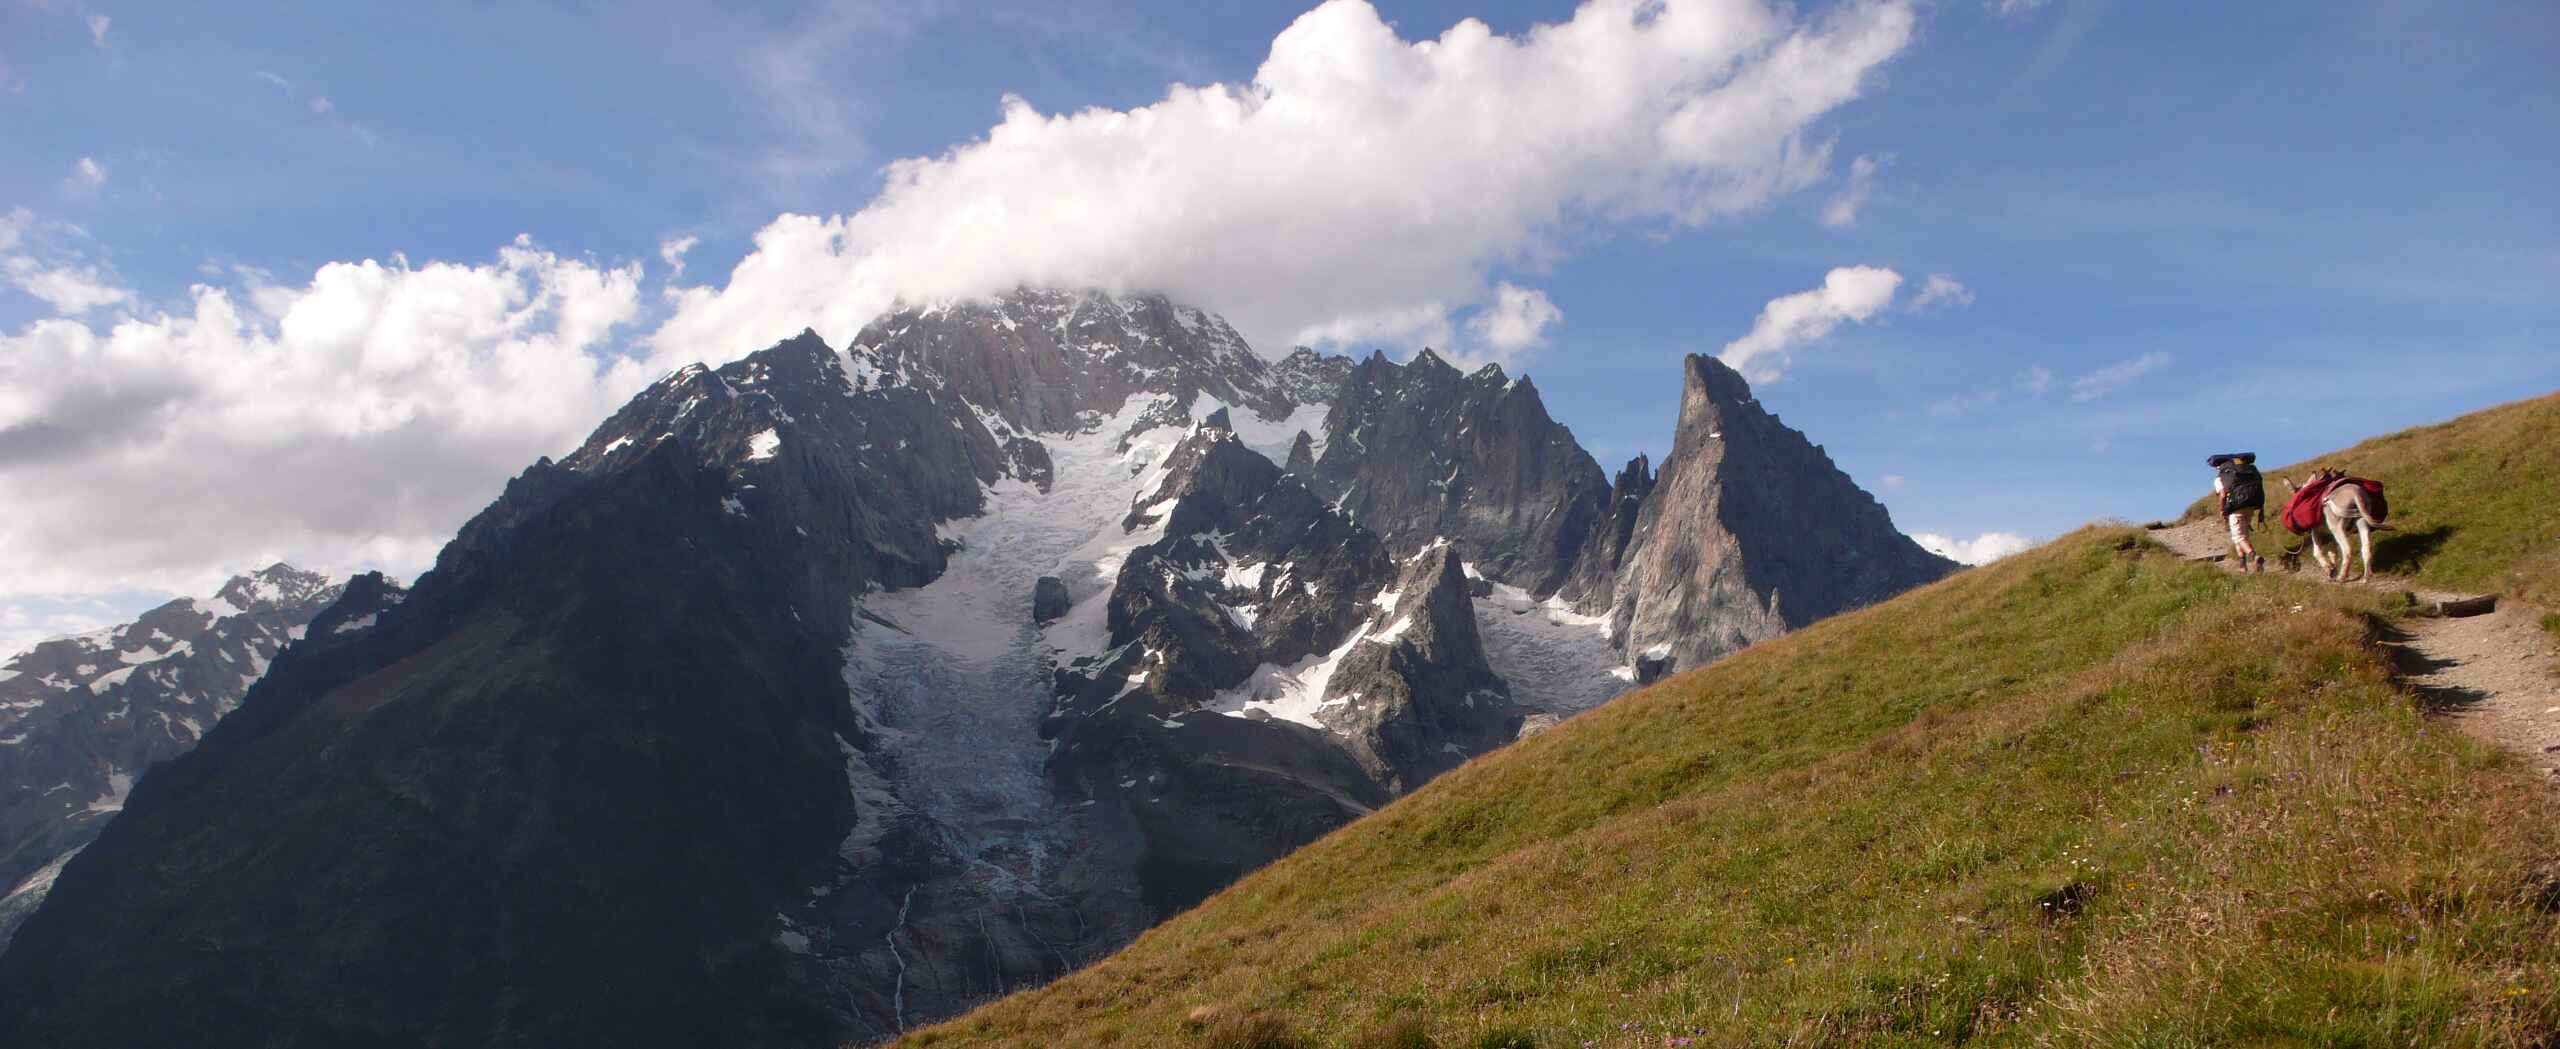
[2491, 674]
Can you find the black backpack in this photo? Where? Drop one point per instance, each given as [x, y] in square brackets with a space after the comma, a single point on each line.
[2242, 487]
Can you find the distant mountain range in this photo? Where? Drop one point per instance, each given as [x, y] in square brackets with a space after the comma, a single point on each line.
[834, 690]
[82, 717]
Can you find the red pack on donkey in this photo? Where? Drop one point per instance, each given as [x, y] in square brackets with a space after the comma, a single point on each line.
[2334, 500]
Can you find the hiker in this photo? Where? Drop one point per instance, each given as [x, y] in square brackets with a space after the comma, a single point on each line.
[2244, 502]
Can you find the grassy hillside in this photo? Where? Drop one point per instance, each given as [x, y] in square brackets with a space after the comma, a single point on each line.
[2471, 500]
[2086, 795]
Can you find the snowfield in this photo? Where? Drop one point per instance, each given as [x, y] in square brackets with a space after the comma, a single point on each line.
[1557, 660]
[954, 676]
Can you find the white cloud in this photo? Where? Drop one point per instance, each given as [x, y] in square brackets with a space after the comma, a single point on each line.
[15, 225]
[70, 289]
[1979, 550]
[2107, 380]
[1517, 319]
[1842, 209]
[1362, 186]
[2036, 380]
[321, 105]
[98, 29]
[353, 421]
[87, 174]
[1893, 482]
[281, 83]
[1848, 293]
[672, 251]
[2014, 8]
[1942, 290]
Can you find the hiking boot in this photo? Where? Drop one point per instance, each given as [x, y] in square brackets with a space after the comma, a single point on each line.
[2261, 569]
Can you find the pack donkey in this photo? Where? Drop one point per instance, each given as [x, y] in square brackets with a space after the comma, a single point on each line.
[2343, 500]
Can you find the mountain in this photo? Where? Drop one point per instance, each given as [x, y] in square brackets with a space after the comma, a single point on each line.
[2091, 794]
[82, 717]
[828, 692]
[1749, 531]
[1422, 453]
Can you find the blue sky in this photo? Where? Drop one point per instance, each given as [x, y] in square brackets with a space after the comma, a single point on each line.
[2183, 229]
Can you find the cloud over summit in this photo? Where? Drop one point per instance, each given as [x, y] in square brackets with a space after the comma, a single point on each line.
[1360, 187]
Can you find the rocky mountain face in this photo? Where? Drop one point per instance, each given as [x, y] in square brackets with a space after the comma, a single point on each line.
[82, 717]
[1421, 453]
[1748, 532]
[828, 692]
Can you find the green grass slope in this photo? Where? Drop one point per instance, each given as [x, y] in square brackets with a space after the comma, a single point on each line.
[2471, 500]
[2087, 795]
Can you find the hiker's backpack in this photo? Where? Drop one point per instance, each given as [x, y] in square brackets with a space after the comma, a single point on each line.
[2242, 487]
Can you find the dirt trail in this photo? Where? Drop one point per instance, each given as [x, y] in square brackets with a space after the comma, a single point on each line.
[2491, 674]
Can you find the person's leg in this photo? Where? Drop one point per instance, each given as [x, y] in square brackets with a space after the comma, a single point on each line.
[2240, 547]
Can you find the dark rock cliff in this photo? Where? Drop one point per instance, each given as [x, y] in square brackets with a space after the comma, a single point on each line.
[1418, 452]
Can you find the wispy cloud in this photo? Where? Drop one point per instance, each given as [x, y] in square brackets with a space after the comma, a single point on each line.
[321, 106]
[98, 29]
[70, 289]
[24, 625]
[1841, 211]
[2113, 377]
[87, 174]
[1941, 290]
[795, 74]
[1963, 404]
[672, 251]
